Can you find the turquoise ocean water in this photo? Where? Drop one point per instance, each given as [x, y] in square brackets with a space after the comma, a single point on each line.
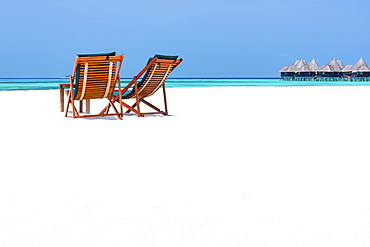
[53, 83]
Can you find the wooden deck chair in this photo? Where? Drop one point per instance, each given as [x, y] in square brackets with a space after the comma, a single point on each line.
[95, 76]
[147, 82]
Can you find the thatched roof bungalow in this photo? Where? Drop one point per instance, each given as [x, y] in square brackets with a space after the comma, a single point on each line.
[301, 70]
[313, 65]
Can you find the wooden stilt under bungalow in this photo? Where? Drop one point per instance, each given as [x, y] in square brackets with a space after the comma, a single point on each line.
[335, 70]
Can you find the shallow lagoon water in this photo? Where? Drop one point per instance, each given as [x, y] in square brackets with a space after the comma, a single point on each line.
[53, 83]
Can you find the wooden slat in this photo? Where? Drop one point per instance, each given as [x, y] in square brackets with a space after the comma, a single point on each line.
[156, 78]
[97, 76]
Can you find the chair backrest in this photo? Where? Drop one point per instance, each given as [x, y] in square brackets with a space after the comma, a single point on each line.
[95, 76]
[155, 74]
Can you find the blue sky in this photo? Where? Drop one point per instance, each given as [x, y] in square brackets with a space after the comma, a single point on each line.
[216, 38]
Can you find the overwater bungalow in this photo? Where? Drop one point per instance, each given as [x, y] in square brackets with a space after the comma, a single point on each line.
[333, 71]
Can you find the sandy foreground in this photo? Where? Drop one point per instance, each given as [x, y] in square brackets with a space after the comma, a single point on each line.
[246, 166]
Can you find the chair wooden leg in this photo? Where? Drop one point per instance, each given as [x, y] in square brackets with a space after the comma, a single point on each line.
[138, 109]
[119, 114]
[121, 106]
[69, 102]
[132, 107]
[73, 108]
[106, 109]
[113, 106]
[150, 105]
[120, 98]
[137, 104]
[66, 113]
[165, 99]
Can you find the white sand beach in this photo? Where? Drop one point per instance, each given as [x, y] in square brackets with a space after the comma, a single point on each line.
[252, 166]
